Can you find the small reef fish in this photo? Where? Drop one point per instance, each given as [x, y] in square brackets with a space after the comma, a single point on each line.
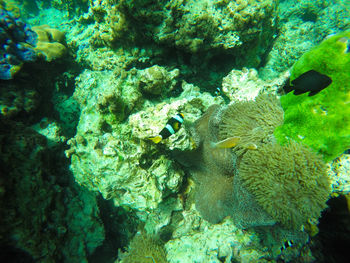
[171, 127]
[218, 93]
[310, 81]
[227, 143]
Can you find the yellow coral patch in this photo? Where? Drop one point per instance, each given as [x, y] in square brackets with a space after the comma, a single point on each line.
[52, 51]
[51, 42]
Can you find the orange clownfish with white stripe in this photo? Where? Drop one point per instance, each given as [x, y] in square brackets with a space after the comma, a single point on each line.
[171, 127]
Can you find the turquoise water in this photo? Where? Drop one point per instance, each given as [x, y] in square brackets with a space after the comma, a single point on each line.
[85, 85]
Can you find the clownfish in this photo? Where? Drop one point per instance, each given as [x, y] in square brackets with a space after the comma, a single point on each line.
[171, 127]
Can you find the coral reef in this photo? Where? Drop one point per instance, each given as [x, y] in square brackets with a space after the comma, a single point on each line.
[137, 64]
[17, 41]
[214, 243]
[246, 84]
[124, 168]
[51, 42]
[192, 26]
[157, 80]
[321, 121]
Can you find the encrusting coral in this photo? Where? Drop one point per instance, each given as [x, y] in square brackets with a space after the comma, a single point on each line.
[51, 42]
[156, 80]
[191, 26]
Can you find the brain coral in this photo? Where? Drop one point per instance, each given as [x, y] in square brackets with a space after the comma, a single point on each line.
[289, 182]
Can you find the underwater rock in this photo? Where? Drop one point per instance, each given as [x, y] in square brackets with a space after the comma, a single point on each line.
[192, 26]
[339, 172]
[16, 99]
[305, 24]
[117, 95]
[72, 8]
[245, 84]
[106, 156]
[68, 110]
[157, 80]
[41, 211]
[215, 243]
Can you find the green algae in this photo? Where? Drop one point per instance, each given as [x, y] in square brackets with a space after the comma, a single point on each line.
[321, 121]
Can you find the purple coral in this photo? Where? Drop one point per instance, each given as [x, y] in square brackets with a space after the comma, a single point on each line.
[16, 44]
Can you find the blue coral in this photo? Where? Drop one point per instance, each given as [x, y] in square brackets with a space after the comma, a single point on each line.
[17, 43]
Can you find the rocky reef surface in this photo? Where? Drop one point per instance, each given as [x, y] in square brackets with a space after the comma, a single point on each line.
[80, 179]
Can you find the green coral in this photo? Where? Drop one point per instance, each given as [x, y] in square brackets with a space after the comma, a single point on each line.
[321, 121]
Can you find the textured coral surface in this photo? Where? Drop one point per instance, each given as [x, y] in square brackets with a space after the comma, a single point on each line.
[81, 181]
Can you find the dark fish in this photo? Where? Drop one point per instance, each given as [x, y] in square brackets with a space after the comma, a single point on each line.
[310, 81]
[171, 127]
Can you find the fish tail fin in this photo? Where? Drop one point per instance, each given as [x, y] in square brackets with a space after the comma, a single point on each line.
[156, 139]
[227, 143]
[287, 87]
[251, 146]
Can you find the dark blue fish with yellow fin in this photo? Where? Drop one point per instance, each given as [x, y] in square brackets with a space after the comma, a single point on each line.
[171, 127]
